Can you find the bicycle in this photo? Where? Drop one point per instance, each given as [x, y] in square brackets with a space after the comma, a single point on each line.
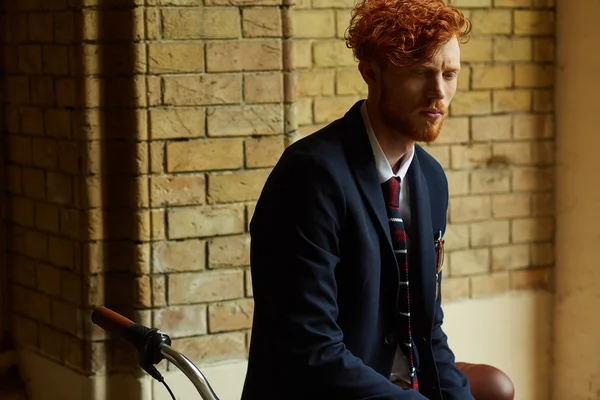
[153, 346]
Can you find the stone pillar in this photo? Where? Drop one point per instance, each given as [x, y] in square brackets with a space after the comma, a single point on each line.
[576, 350]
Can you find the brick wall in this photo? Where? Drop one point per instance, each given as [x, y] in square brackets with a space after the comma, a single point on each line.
[139, 137]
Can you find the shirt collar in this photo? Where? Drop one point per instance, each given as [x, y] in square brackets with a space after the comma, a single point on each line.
[384, 169]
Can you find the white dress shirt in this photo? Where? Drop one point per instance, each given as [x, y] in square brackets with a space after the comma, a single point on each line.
[384, 170]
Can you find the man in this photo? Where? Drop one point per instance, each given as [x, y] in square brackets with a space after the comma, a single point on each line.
[344, 236]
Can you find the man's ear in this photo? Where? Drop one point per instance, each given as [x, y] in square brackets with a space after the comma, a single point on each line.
[368, 72]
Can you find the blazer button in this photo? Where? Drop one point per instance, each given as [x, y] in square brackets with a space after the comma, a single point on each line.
[390, 339]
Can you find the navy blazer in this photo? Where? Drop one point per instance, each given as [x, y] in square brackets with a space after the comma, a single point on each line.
[326, 280]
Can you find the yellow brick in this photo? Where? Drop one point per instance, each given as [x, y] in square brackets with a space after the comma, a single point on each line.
[440, 153]
[177, 190]
[169, 319]
[304, 109]
[204, 221]
[327, 109]
[512, 3]
[542, 254]
[194, 287]
[543, 100]
[491, 77]
[350, 82]
[19, 149]
[528, 279]
[116, 24]
[315, 82]
[343, 20]
[528, 22]
[66, 93]
[533, 126]
[41, 28]
[532, 229]
[263, 87]
[490, 285]
[174, 2]
[456, 237]
[468, 262]
[313, 23]
[471, 3]
[171, 123]
[214, 348]
[231, 251]
[245, 120]
[517, 153]
[470, 208]
[34, 183]
[45, 153]
[534, 75]
[544, 3]
[176, 57]
[333, 3]
[231, 315]
[152, 16]
[236, 186]
[203, 89]
[464, 78]
[64, 26]
[471, 103]
[32, 121]
[497, 127]
[490, 233]
[512, 49]
[113, 59]
[454, 130]
[511, 205]
[253, 55]
[512, 100]
[56, 59]
[23, 212]
[477, 49]
[42, 91]
[242, 2]
[332, 54]
[543, 49]
[201, 23]
[472, 156]
[543, 204]
[263, 151]
[18, 87]
[30, 59]
[534, 179]
[261, 22]
[490, 181]
[542, 153]
[302, 53]
[60, 188]
[215, 154]
[458, 182]
[179, 256]
[493, 21]
[15, 179]
[48, 278]
[455, 289]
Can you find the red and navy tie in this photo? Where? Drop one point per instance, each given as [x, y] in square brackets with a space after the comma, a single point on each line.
[391, 194]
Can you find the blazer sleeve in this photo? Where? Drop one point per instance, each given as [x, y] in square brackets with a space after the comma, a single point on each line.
[295, 244]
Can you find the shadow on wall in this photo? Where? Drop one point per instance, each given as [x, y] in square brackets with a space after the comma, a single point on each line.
[94, 94]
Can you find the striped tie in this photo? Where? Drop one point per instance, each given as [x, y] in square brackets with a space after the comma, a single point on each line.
[391, 194]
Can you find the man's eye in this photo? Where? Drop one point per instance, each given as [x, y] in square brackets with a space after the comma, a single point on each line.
[450, 75]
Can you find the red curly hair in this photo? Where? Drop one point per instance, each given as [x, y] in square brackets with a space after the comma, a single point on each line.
[403, 32]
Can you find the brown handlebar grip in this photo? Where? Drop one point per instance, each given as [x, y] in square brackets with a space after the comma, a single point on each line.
[112, 322]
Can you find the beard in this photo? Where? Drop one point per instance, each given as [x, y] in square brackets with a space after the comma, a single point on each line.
[418, 129]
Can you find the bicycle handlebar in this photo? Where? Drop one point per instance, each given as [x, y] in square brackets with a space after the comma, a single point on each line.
[120, 326]
[153, 346]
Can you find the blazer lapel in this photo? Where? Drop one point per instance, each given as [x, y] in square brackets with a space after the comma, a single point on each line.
[423, 246]
[363, 168]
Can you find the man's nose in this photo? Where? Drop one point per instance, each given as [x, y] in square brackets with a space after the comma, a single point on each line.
[435, 90]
